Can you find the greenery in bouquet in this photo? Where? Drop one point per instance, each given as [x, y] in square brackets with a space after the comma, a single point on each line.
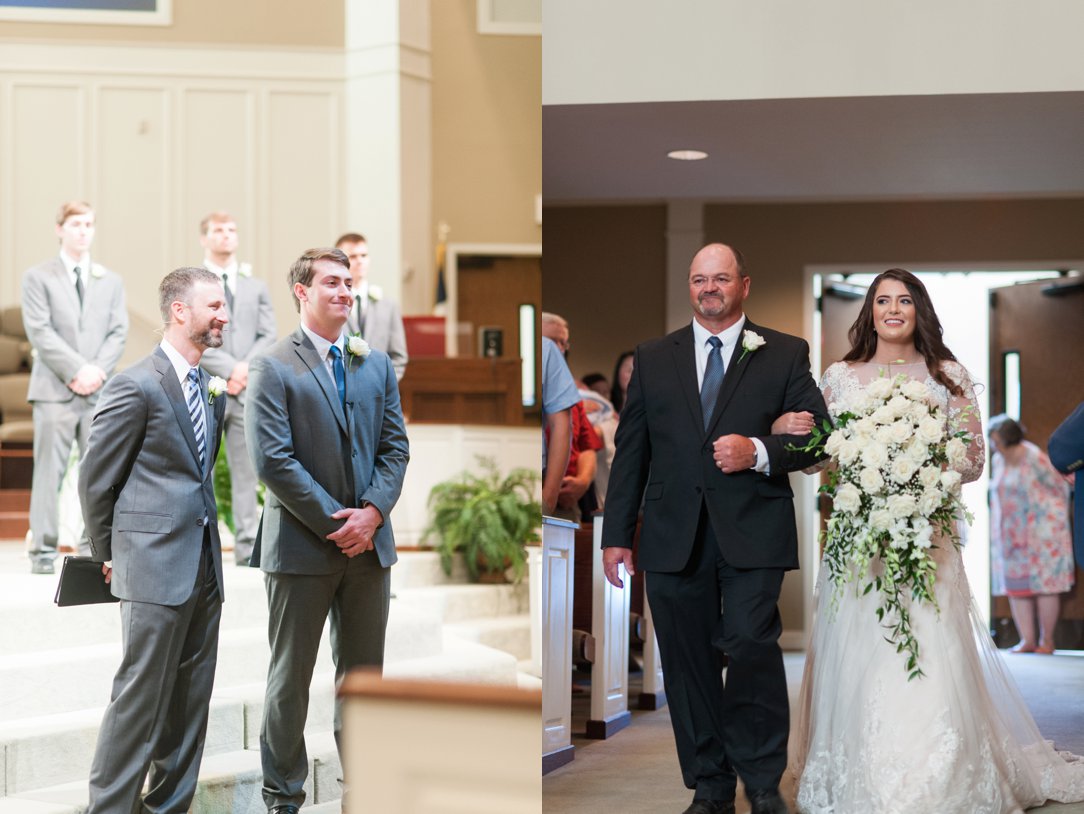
[895, 488]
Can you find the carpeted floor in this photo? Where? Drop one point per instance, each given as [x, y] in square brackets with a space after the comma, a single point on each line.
[636, 770]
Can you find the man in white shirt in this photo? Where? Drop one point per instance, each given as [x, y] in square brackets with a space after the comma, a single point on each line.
[375, 317]
[76, 320]
[250, 332]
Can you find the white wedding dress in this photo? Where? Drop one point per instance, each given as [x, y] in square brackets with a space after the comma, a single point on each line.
[959, 740]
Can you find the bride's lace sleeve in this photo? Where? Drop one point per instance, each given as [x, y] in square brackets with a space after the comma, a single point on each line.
[834, 383]
[964, 413]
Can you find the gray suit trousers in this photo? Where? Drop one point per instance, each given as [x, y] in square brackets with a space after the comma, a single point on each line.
[246, 515]
[357, 601]
[163, 685]
[56, 425]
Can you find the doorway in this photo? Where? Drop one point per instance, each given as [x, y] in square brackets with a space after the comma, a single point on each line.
[962, 299]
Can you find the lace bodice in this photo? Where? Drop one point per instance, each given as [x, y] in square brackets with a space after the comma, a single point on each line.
[843, 379]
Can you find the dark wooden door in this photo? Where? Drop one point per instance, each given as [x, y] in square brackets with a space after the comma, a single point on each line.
[1040, 323]
[491, 291]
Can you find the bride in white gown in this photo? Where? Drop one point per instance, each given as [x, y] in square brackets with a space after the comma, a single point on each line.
[958, 740]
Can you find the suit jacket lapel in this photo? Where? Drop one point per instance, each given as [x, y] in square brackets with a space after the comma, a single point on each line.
[177, 400]
[311, 358]
[734, 372]
[64, 281]
[685, 364]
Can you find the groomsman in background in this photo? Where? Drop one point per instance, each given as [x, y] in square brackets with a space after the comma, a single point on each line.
[326, 434]
[76, 320]
[375, 317]
[251, 331]
[148, 502]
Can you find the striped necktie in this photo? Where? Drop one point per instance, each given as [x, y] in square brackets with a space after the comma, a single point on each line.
[195, 411]
[713, 377]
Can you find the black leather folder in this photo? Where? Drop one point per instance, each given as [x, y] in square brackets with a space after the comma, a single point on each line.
[82, 583]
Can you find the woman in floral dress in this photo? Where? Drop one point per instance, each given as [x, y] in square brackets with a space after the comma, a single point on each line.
[1031, 544]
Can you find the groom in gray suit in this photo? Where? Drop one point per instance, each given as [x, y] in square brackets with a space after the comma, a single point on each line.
[326, 434]
[251, 331]
[149, 508]
[76, 321]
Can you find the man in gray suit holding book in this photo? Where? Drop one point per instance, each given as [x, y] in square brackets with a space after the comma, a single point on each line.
[326, 434]
[148, 503]
[77, 322]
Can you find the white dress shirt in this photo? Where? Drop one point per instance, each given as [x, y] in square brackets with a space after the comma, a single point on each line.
[323, 348]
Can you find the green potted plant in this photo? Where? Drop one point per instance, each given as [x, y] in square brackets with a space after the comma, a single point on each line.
[488, 518]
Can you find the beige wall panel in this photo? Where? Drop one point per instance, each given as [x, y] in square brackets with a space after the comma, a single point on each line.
[217, 167]
[487, 129]
[48, 159]
[604, 270]
[302, 193]
[134, 182]
[237, 22]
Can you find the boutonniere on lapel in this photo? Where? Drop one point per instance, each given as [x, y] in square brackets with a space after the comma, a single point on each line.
[216, 386]
[750, 341]
[375, 292]
[245, 269]
[96, 271]
[357, 347]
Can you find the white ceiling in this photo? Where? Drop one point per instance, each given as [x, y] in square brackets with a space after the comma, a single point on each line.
[1016, 145]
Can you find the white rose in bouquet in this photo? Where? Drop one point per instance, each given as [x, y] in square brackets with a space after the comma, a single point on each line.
[917, 452]
[902, 469]
[929, 476]
[848, 499]
[899, 405]
[899, 432]
[930, 430]
[901, 506]
[915, 390]
[864, 427]
[832, 445]
[880, 519]
[875, 454]
[880, 388]
[956, 452]
[884, 414]
[870, 480]
[930, 501]
[848, 451]
[950, 480]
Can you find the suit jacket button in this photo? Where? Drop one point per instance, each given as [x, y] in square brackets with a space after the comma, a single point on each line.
[199, 522]
[698, 490]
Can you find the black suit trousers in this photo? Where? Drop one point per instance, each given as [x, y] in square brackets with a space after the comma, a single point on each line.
[723, 730]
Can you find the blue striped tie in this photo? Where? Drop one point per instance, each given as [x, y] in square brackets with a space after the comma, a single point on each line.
[713, 377]
[195, 411]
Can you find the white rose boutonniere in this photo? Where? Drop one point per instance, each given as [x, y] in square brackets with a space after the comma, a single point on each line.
[750, 341]
[375, 292]
[96, 271]
[357, 347]
[245, 269]
[215, 388]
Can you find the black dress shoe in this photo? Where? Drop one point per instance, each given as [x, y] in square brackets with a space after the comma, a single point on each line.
[286, 808]
[767, 801]
[711, 807]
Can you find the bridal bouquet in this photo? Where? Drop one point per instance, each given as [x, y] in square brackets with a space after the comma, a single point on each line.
[895, 486]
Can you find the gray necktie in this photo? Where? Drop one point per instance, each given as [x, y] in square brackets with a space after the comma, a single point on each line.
[713, 377]
[79, 284]
[195, 411]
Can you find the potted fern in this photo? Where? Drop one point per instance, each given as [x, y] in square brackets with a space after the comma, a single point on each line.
[488, 518]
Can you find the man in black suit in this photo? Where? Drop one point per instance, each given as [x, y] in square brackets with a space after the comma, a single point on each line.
[718, 527]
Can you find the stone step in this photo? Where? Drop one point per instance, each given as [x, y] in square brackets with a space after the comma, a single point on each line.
[228, 782]
[32, 683]
[460, 661]
[457, 603]
[512, 634]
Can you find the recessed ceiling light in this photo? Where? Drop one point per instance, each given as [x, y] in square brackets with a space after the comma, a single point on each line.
[687, 155]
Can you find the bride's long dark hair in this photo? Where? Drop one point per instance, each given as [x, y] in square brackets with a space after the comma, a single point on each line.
[928, 331]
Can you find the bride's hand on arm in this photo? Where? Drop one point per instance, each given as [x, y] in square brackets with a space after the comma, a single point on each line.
[793, 424]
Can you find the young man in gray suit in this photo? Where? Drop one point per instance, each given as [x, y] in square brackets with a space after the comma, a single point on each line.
[251, 331]
[76, 321]
[326, 434]
[149, 507]
[375, 317]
